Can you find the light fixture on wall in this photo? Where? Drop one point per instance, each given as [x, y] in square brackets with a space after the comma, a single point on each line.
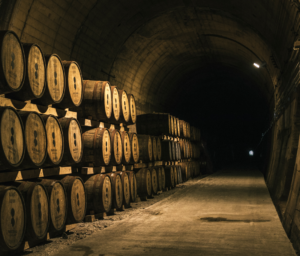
[259, 64]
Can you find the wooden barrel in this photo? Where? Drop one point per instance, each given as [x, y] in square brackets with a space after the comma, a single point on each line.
[163, 177]
[179, 174]
[97, 147]
[126, 147]
[154, 182]
[73, 148]
[132, 109]
[175, 175]
[167, 153]
[74, 86]
[12, 140]
[188, 130]
[13, 218]
[116, 147]
[35, 75]
[154, 124]
[182, 148]
[117, 190]
[55, 140]
[145, 148]
[99, 193]
[76, 198]
[57, 204]
[173, 150]
[158, 148]
[169, 176]
[175, 126]
[126, 188]
[55, 81]
[184, 171]
[116, 110]
[172, 125]
[35, 140]
[143, 179]
[133, 185]
[124, 103]
[96, 103]
[37, 209]
[187, 149]
[135, 149]
[12, 66]
[178, 127]
[159, 178]
[178, 151]
[182, 128]
[154, 148]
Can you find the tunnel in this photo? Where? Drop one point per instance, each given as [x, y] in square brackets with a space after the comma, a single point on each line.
[194, 59]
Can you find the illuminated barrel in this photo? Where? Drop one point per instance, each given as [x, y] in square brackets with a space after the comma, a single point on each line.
[12, 65]
[35, 74]
[55, 81]
[74, 86]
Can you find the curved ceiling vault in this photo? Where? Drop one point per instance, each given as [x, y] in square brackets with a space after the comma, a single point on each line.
[151, 47]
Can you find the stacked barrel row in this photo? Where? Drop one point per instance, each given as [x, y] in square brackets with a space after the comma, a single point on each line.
[27, 74]
[152, 180]
[153, 148]
[166, 124]
[175, 146]
[30, 209]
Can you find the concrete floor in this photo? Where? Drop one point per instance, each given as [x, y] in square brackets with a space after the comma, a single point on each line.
[228, 213]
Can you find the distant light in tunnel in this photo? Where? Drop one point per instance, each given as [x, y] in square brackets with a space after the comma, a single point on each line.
[251, 153]
[256, 65]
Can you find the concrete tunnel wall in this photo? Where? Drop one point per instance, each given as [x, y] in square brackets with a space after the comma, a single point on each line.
[151, 48]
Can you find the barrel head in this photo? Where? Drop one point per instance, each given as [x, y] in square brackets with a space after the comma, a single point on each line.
[39, 211]
[126, 147]
[12, 61]
[117, 147]
[75, 142]
[106, 194]
[107, 100]
[75, 83]
[106, 147]
[126, 189]
[35, 138]
[135, 148]
[132, 107]
[36, 71]
[78, 200]
[55, 78]
[12, 137]
[12, 219]
[118, 192]
[58, 206]
[115, 103]
[54, 140]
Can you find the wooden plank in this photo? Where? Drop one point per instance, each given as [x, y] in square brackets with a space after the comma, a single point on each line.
[100, 169]
[140, 165]
[158, 163]
[35, 173]
[30, 244]
[28, 106]
[94, 217]
[129, 167]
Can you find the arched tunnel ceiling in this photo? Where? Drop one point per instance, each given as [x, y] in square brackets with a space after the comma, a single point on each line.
[147, 47]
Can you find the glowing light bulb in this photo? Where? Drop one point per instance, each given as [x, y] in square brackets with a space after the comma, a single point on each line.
[251, 153]
[256, 65]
